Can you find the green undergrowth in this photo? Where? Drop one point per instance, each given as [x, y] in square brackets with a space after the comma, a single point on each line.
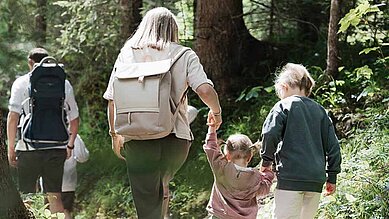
[363, 184]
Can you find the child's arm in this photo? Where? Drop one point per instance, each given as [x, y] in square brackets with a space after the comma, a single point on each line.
[272, 134]
[266, 180]
[334, 158]
[215, 157]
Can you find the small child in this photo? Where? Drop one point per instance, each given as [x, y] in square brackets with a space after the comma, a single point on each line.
[80, 154]
[299, 137]
[236, 186]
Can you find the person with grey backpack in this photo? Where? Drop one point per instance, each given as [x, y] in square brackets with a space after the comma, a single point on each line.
[147, 108]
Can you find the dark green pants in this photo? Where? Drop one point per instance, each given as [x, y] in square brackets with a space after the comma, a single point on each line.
[151, 164]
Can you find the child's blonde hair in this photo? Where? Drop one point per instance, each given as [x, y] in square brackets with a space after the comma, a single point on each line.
[239, 146]
[295, 75]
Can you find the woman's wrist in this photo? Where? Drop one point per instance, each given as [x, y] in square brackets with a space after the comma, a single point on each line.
[70, 147]
[216, 113]
[113, 134]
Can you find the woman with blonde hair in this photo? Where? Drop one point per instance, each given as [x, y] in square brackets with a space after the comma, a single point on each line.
[152, 163]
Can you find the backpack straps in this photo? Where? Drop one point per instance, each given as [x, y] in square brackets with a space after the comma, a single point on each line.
[178, 55]
[174, 60]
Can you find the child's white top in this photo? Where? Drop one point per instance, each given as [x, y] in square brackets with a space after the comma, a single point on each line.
[79, 154]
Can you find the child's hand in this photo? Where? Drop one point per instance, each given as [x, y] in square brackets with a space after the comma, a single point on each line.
[268, 168]
[211, 129]
[330, 189]
[214, 120]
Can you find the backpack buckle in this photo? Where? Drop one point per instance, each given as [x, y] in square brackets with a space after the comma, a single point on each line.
[141, 79]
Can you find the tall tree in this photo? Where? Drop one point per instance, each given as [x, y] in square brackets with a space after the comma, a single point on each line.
[332, 41]
[231, 56]
[11, 205]
[40, 22]
[130, 17]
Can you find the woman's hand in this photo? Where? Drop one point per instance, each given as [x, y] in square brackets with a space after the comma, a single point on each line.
[117, 145]
[214, 119]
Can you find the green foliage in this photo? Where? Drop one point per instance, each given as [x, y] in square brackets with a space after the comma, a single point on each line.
[355, 16]
[35, 203]
[88, 44]
[85, 36]
[111, 198]
[328, 93]
[363, 184]
[363, 24]
[187, 202]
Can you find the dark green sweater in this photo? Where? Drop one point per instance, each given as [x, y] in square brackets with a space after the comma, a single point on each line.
[299, 137]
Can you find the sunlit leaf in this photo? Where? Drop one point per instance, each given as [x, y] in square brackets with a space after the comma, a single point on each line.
[367, 50]
[350, 197]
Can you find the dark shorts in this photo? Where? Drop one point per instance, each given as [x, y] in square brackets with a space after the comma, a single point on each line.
[45, 163]
[68, 200]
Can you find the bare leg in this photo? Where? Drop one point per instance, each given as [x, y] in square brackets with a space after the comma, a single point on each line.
[55, 202]
[68, 215]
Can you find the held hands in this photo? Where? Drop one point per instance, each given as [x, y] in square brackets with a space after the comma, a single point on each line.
[117, 145]
[214, 120]
[330, 189]
[268, 168]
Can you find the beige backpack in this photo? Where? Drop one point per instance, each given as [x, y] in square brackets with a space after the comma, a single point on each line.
[144, 108]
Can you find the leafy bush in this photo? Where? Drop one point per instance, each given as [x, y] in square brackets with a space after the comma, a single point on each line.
[363, 184]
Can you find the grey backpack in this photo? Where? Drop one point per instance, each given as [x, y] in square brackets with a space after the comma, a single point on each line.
[144, 108]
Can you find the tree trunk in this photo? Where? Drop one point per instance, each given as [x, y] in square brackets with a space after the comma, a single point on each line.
[271, 21]
[40, 22]
[332, 43]
[130, 17]
[11, 205]
[231, 57]
[310, 19]
[194, 16]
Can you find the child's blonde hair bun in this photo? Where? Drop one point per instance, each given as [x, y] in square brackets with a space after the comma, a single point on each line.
[295, 75]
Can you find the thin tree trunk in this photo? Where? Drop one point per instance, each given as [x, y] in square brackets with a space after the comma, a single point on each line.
[194, 16]
[271, 21]
[40, 22]
[332, 43]
[11, 205]
[130, 17]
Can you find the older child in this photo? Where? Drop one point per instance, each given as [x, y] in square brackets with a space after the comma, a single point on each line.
[236, 186]
[299, 136]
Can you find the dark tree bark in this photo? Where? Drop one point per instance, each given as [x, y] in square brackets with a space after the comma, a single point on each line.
[130, 17]
[231, 57]
[194, 16]
[310, 20]
[332, 43]
[11, 205]
[40, 22]
[271, 21]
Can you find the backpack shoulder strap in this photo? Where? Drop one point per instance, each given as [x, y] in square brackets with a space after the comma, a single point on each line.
[174, 59]
[179, 54]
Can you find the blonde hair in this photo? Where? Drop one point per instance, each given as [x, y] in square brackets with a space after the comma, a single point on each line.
[238, 146]
[157, 30]
[295, 75]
